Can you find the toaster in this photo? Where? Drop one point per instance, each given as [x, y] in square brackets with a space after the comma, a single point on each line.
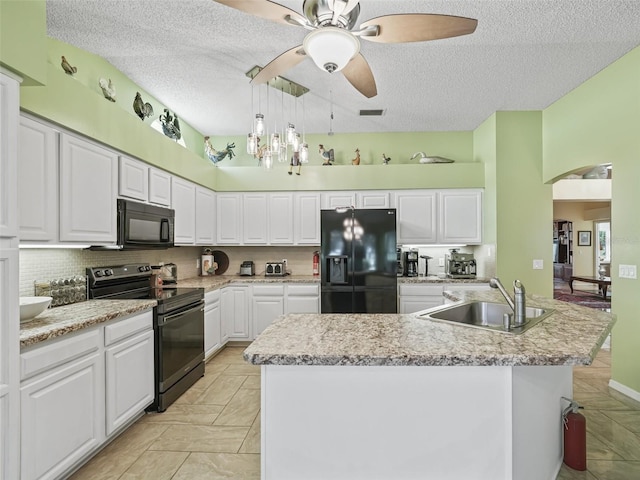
[275, 269]
[247, 268]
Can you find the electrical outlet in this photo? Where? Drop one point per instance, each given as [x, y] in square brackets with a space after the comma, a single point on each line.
[538, 264]
[441, 262]
[627, 271]
[197, 263]
[284, 260]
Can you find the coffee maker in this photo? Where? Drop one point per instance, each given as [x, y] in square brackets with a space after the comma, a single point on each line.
[460, 265]
[410, 261]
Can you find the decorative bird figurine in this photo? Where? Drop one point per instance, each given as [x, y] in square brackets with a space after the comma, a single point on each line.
[66, 66]
[327, 155]
[216, 156]
[141, 108]
[170, 125]
[385, 159]
[108, 90]
[356, 161]
[425, 159]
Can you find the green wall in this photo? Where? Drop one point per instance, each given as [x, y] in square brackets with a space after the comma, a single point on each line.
[518, 206]
[599, 122]
[23, 39]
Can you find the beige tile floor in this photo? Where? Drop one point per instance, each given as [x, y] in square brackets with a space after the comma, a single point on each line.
[213, 431]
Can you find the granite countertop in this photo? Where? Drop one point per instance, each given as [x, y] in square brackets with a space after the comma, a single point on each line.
[58, 321]
[572, 335]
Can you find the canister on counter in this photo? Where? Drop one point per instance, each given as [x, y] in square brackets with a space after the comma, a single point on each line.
[208, 265]
[155, 280]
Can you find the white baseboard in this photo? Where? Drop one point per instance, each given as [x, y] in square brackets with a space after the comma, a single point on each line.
[629, 392]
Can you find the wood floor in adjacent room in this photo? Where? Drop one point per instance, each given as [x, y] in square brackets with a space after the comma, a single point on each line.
[213, 431]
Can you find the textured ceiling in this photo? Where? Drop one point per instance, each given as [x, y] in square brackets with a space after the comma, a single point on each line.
[193, 54]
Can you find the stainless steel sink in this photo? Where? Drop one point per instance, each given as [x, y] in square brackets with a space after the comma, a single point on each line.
[485, 315]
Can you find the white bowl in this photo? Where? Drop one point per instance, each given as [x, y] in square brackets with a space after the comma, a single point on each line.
[31, 307]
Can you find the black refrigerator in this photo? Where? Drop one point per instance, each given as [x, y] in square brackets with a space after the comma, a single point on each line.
[358, 261]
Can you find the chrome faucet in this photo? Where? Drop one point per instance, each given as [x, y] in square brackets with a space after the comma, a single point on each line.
[518, 304]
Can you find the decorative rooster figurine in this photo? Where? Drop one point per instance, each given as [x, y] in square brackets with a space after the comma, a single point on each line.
[108, 90]
[216, 156]
[170, 125]
[141, 108]
[356, 161]
[66, 66]
[385, 159]
[327, 155]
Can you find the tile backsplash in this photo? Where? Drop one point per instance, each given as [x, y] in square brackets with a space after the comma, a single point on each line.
[50, 264]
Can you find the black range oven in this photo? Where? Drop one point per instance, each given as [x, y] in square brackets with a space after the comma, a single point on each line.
[178, 325]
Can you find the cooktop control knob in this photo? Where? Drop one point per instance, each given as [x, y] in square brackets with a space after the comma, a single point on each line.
[141, 268]
[108, 272]
[98, 273]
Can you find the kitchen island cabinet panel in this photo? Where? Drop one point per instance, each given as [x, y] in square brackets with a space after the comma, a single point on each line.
[37, 181]
[88, 191]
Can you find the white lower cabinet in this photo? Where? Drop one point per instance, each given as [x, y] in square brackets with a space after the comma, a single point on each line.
[129, 378]
[414, 298]
[212, 326]
[234, 311]
[80, 389]
[62, 417]
[267, 303]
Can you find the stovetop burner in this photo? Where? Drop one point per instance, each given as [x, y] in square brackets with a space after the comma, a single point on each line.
[132, 281]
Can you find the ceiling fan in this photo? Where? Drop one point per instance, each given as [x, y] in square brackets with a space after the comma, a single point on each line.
[333, 43]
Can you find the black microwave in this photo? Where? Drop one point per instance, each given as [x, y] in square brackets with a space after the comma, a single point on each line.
[143, 226]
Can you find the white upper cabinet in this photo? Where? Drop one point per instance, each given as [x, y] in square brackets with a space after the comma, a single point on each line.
[372, 199]
[183, 195]
[333, 200]
[159, 187]
[229, 218]
[416, 217]
[37, 181]
[9, 108]
[88, 191]
[460, 217]
[254, 218]
[133, 179]
[280, 218]
[306, 218]
[205, 216]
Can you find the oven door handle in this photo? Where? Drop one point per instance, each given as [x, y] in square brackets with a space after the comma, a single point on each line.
[172, 318]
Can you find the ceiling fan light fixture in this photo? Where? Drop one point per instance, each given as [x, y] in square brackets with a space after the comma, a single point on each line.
[331, 48]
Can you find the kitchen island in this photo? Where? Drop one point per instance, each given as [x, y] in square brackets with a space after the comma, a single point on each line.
[397, 396]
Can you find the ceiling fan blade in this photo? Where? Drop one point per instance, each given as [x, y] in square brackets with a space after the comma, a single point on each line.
[360, 76]
[266, 9]
[280, 64]
[418, 27]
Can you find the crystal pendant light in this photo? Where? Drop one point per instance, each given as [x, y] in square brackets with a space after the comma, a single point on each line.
[275, 142]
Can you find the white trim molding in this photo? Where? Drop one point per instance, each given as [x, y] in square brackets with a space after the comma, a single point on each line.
[629, 392]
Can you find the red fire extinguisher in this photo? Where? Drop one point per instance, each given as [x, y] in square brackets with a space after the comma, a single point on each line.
[316, 263]
[575, 436]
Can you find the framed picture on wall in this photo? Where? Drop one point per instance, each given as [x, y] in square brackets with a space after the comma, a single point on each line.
[584, 238]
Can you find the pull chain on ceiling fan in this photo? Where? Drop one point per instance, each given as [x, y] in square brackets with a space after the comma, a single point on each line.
[334, 43]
